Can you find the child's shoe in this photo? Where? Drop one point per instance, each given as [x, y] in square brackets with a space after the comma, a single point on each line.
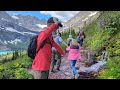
[76, 76]
[73, 77]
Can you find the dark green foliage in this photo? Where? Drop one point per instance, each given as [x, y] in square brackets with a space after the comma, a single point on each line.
[65, 36]
[16, 69]
[108, 37]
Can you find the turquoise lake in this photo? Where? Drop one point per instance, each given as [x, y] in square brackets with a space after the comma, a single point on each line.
[4, 52]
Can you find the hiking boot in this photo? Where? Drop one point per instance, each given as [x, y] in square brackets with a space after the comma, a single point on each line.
[77, 76]
[58, 69]
[52, 71]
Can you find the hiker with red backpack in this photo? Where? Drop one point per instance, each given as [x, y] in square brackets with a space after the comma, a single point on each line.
[42, 60]
[80, 37]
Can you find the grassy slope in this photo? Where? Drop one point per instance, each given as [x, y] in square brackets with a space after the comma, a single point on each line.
[65, 37]
[16, 69]
[97, 37]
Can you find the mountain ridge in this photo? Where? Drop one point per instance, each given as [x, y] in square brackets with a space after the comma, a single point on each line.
[82, 19]
[12, 35]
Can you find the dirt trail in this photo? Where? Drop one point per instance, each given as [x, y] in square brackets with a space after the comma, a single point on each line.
[65, 70]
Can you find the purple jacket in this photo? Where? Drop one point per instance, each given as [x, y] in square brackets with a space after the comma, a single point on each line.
[74, 54]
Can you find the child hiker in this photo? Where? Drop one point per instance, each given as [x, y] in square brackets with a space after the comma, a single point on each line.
[73, 56]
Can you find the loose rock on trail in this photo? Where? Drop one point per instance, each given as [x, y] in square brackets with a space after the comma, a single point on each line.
[85, 72]
[65, 70]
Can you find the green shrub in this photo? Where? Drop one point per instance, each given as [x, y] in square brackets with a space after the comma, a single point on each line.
[113, 69]
[16, 69]
[65, 37]
[109, 36]
[12, 56]
[21, 73]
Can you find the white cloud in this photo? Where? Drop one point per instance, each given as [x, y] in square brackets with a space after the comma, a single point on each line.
[62, 15]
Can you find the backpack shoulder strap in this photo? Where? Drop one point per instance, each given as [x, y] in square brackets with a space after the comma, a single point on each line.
[43, 43]
[50, 42]
[41, 46]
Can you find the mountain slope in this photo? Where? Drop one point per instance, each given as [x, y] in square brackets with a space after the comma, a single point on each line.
[30, 22]
[82, 19]
[12, 35]
[20, 28]
[6, 17]
[104, 34]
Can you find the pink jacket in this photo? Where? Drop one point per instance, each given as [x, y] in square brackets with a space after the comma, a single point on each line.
[74, 54]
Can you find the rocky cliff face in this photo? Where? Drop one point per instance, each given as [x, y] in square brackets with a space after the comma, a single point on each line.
[82, 19]
[16, 31]
[6, 17]
[30, 22]
[12, 34]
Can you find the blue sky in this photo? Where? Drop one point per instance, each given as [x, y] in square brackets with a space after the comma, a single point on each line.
[32, 13]
[61, 15]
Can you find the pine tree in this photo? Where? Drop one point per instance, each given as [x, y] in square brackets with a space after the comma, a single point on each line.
[16, 54]
[13, 56]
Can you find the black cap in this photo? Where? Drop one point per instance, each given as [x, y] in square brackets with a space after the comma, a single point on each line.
[50, 20]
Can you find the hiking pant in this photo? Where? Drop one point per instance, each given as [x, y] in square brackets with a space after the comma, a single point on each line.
[74, 71]
[41, 74]
[81, 42]
[54, 61]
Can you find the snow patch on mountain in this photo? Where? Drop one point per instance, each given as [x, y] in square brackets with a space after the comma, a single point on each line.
[11, 29]
[85, 19]
[14, 30]
[20, 24]
[2, 28]
[5, 42]
[41, 26]
[29, 33]
[5, 20]
[92, 14]
[14, 41]
[15, 17]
